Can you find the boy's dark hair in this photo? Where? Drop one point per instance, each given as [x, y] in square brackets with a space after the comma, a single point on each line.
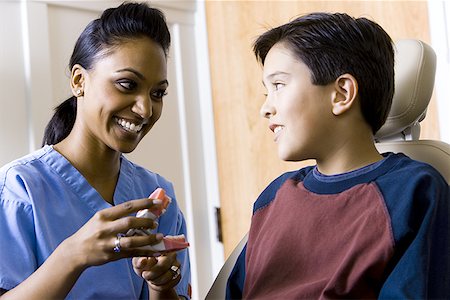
[116, 25]
[335, 44]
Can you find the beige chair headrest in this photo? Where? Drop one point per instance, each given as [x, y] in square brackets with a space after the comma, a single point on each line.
[415, 68]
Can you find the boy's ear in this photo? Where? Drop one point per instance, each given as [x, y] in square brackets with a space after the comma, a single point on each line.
[77, 78]
[345, 93]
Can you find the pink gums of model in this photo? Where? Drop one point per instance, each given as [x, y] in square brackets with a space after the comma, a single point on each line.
[169, 243]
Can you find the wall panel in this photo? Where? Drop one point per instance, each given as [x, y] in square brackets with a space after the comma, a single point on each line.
[13, 112]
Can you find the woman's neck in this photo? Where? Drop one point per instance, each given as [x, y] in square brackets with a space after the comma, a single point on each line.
[100, 166]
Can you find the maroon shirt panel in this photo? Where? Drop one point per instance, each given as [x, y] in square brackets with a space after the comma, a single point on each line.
[306, 245]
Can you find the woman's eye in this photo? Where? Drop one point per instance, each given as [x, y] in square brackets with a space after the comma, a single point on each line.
[127, 84]
[159, 94]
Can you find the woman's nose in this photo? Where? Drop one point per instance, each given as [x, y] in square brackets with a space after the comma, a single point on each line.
[143, 107]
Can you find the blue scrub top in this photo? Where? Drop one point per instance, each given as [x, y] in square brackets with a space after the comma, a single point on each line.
[44, 200]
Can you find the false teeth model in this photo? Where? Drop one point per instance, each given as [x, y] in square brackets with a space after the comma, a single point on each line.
[156, 211]
[168, 243]
[152, 213]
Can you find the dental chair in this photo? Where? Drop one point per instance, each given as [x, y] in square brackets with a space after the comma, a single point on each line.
[415, 66]
[415, 69]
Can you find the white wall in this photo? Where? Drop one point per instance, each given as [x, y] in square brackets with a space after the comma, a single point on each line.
[13, 85]
[37, 39]
[439, 16]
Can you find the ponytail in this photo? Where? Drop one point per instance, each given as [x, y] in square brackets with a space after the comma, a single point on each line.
[61, 123]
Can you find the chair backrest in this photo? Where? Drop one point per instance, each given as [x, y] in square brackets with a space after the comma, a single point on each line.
[217, 291]
[415, 69]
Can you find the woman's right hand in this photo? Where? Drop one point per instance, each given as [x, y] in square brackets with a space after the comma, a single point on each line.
[93, 244]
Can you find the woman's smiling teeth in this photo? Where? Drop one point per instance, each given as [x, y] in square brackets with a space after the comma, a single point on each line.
[127, 125]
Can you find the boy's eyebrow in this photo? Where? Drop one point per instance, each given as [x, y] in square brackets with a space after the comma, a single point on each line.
[274, 74]
[140, 75]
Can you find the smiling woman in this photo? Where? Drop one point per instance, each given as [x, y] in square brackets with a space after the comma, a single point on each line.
[125, 86]
[66, 207]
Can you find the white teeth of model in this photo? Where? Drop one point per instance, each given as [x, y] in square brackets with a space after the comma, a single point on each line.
[277, 129]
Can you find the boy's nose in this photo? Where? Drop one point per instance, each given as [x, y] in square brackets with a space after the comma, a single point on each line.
[266, 110]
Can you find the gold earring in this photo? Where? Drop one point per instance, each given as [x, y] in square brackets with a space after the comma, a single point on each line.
[79, 93]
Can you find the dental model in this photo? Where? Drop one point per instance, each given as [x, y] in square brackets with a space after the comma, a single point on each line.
[169, 243]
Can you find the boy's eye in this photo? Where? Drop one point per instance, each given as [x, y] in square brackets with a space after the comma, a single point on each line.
[127, 84]
[278, 85]
[159, 94]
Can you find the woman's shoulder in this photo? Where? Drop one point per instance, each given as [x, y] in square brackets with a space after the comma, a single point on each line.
[16, 176]
[25, 164]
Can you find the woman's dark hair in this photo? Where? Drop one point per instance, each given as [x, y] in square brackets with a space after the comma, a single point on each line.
[116, 25]
[335, 44]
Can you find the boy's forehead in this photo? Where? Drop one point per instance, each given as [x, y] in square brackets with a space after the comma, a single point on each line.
[280, 61]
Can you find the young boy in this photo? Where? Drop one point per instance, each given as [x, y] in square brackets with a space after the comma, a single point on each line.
[359, 224]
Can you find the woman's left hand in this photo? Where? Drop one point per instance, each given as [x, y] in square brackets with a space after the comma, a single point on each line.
[161, 273]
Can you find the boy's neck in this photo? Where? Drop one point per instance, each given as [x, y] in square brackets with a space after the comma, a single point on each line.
[349, 155]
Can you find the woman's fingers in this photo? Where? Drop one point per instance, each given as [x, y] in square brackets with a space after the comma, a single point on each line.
[161, 272]
[127, 208]
[133, 242]
[169, 279]
[141, 264]
[103, 238]
[124, 224]
[120, 219]
[144, 263]
[172, 274]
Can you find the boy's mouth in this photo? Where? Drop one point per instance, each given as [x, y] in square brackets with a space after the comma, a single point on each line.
[277, 129]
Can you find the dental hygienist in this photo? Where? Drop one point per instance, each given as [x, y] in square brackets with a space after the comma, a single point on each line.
[65, 207]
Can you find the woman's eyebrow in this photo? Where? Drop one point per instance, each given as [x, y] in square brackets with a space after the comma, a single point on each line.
[140, 75]
[135, 72]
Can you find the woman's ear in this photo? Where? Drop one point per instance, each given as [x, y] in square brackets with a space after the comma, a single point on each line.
[77, 78]
[345, 93]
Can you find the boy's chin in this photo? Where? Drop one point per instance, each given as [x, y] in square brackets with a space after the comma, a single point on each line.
[286, 156]
[291, 155]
